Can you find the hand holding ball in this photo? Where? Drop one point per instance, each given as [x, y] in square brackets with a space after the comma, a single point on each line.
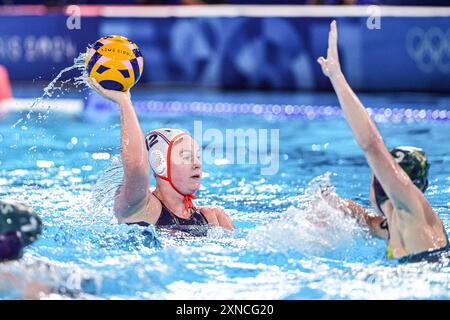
[115, 62]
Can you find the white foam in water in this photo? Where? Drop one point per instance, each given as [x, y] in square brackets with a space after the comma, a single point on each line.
[100, 204]
[78, 64]
[312, 228]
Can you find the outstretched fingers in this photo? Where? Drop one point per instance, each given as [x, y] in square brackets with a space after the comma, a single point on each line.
[332, 38]
[330, 65]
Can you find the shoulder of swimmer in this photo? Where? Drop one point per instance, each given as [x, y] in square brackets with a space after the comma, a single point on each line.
[148, 210]
[409, 202]
[217, 216]
[420, 213]
[417, 230]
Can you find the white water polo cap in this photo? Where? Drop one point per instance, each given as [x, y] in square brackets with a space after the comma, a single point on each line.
[159, 145]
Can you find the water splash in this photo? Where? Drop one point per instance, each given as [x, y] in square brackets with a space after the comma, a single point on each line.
[313, 227]
[78, 64]
[104, 191]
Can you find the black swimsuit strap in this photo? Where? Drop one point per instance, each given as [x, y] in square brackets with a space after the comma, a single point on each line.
[164, 207]
[166, 214]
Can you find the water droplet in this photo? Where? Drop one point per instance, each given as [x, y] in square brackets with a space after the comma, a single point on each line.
[74, 140]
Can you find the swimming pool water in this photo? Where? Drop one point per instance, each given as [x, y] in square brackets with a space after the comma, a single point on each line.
[289, 244]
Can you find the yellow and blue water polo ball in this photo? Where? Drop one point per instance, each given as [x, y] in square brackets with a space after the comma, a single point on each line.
[115, 62]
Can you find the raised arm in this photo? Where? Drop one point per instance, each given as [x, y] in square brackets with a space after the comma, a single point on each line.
[132, 194]
[376, 223]
[395, 182]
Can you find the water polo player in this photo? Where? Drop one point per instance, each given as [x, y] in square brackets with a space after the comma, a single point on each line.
[19, 227]
[174, 157]
[408, 222]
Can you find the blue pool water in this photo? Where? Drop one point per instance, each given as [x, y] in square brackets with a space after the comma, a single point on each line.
[289, 244]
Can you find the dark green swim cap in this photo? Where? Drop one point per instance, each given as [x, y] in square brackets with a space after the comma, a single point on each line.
[414, 162]
[19, 227]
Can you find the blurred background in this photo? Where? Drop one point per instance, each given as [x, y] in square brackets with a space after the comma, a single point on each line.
[180, 2]
[397, 45]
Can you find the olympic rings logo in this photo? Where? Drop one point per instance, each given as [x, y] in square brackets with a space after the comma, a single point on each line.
[429, 49]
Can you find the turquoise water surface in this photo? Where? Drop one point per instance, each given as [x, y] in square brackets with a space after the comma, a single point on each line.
[288, 244]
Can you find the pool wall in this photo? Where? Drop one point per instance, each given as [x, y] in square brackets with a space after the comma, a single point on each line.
[240, 47]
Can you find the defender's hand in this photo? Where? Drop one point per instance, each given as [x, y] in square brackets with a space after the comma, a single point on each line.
[330, 65]
[115, 96]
